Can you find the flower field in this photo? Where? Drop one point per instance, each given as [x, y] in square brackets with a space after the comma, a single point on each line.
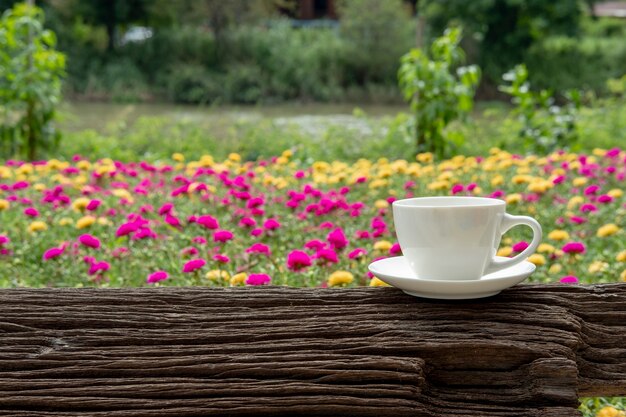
[285, 222]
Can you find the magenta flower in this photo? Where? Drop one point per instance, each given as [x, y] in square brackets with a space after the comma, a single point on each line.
[31, 212]
[271, 224]
[172, 220]
[258, 279]
[223, 259]
[223, 236]
[588, 207]
[569, 279]
[259, 248]
[98, 267]
[199, 240]
[395, 249]
[93, 205]
[357, 253]
[559, 179]
[4, 240]
[520, 246]
[327, 255]
[577, 220]
[209, 222]
[256, 232]
[126, 229]
[457, 188]
[193, 265]
[166, 209]
[605, 199]
[157, 276]
[592, 189]
[52, 253]
[297, 260]
[337, 239]
[89, 241]
[574, 248]
[247, 222]
[315, 244]
[189, 251]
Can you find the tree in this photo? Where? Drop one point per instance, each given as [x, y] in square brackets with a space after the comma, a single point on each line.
[436, 91]
[30, 81]
[504, 29]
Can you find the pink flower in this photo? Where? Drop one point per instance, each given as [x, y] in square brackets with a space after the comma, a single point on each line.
[559, 179]
[520, 246]
[588, 207]
[357, 253]
[208, 221]
[271, 224]
[89, 241]
[221, 258]
[97, 267]
[222, 236]
[577, 220]
[4, 240]
[574, 247]
[172, 220]
[569, 279]
[157, 276]
[199, 240]
[93, 205]
[337, 239]
[126, 229]
[256, 232]
[327, 255]
[395, 249]
[166, 209]
[258, 279]
[298, 260]
[193, 265]
[592, 189]
[605, 198]
[247, 222]
[457, 188]
[189, 251]
[314, 244]
[31, 212]
[362, 234]
[259, 248]
[52, 253]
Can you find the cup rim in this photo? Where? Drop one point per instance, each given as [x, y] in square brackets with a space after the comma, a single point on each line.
[448, 202]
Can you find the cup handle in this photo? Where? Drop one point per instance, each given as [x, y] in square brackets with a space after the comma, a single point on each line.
[507, 223]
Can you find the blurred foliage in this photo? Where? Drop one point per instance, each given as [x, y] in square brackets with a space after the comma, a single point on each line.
[504, 30]
[30, 82]
[438, 91]
[546, 126]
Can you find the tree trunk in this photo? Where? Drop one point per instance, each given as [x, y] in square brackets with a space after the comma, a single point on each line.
[527, 352]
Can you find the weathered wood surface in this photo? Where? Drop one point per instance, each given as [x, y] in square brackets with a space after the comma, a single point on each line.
[530, 351]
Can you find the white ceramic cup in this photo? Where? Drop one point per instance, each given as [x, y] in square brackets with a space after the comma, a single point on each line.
[456, 238]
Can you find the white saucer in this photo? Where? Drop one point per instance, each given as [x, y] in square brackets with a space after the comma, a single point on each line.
[397, 272]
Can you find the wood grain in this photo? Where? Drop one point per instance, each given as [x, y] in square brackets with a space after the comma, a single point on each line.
[530, 351]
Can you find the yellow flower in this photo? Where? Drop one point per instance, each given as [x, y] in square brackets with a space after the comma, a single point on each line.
[80, 203]
[85, 221]
[4, 204]
[574, 202]
[505, 251]
[513, 198]
[616, 193]
[555, 269]
[178, 157]
[497, 180]
[65, 221]
[340, 278]
[83, 165]
[238, 279]
[608, 230]
[597, 267]
[545, 248]
[381, 204]
[376, 282]
[288, 153]
[425, 158]
[521, 179]
[235, 157]
[558, 235]
[609, 411]
[622, 276]
[537, 259]
[579, 181]
[217, 274]
[621, 257]
[383, 245]
[103, 221]
[37, 226]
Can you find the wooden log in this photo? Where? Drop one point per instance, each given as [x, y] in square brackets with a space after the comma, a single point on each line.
[530, 351]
